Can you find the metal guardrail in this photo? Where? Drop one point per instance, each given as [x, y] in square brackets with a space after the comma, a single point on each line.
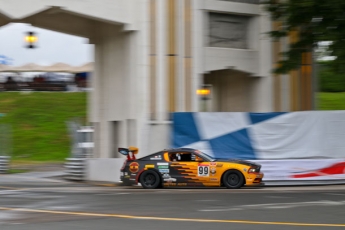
[81, 149]
[5, 146]
[75, 169]
[4, 164]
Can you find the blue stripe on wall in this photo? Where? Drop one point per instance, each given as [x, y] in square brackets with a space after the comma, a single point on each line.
[185, 131]
[233, 145]
[259, 117]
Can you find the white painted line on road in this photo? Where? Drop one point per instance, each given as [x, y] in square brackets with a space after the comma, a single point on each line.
[278, 197]
[335, 194]
[220, 210]
[34, 196]
[41, 179]
[7, 192]
[9, 188]
[277, 205]
[206, 200]
[112, 194]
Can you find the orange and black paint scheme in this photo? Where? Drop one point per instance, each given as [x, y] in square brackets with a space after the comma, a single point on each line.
[186, 167]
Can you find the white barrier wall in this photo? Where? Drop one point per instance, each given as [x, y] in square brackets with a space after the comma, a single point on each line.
[303, 170]
[298, 135]
[290, 146]
[263, 136]
[104, 169]
[300, 146]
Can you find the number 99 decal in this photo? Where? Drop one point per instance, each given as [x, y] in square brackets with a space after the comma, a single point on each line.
[203, 170]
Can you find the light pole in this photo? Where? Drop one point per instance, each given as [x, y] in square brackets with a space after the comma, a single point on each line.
[204, 93]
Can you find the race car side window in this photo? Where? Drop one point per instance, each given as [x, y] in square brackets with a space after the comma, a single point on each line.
[184, 156]
[180, 156]
[197, 158]
[173, 157]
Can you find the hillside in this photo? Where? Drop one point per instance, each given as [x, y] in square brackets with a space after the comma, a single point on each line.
[38, 122]
[331, 101]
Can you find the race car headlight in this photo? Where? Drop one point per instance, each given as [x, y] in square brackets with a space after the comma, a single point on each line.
[252, 170]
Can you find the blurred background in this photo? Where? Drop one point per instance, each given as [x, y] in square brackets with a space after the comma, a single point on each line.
[248, 79]
[256, 80]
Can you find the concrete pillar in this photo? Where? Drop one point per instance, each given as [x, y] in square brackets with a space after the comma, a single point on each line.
[114, 89]
[161, 60]
[199, 31]
[262, 92]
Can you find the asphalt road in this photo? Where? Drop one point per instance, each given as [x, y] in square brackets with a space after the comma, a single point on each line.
[28, 203]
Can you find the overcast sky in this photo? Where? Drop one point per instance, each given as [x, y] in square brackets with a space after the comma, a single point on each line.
[53, 47]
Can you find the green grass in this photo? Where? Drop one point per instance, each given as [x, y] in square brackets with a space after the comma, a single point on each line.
[15, 171]
[331, 101]
[38, 122]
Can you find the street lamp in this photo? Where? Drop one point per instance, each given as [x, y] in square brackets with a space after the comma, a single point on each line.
[31, 39]
[204, 92]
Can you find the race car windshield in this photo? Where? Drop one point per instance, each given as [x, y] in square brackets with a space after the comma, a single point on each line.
[205, 156]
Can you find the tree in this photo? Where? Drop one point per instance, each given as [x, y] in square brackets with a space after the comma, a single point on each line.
[315, 21]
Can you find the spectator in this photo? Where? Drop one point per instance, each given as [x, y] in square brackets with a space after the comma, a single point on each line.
[10, 84]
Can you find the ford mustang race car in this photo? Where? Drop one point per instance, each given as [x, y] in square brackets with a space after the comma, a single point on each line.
[187, 167]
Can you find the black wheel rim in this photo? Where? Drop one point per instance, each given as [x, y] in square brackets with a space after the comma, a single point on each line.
[233, 179]
[149, 180]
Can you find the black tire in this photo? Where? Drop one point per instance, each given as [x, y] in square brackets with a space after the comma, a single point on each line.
[233, 179]
[150, 179]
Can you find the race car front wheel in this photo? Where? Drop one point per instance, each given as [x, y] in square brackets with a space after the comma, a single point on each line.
[150, 179]
[233, 179]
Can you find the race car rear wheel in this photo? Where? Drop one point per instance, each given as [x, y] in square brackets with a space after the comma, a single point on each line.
[150, 179]
[233, 179]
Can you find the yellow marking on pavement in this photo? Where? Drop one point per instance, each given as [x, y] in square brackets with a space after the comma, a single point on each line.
[106, 185]
[171, 218]
[11, 188]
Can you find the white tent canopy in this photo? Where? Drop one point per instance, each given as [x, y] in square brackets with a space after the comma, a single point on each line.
[57, 67]
[31, 67]
[88, 67]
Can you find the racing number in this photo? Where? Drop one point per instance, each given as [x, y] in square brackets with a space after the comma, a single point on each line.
[203, 170]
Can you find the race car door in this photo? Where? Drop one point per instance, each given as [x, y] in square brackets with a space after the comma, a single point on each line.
[185, 170]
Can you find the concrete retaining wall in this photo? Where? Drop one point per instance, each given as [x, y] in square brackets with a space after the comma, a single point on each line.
[106, 169]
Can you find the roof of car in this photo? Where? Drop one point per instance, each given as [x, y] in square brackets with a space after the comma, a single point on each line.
[167, 150]
[180, 149]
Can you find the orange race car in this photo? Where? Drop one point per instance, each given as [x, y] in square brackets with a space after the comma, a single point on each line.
[187, 167]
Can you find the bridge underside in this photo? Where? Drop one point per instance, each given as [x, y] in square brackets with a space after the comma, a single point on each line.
[115, 71]
[64, 21]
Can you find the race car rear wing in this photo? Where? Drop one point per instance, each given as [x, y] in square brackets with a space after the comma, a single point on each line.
[129, 152]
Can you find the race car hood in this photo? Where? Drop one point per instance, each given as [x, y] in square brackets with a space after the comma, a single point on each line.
[243, 162]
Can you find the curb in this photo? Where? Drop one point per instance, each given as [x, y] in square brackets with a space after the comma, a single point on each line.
[104, 184]
[266, 183]
[302, 183]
